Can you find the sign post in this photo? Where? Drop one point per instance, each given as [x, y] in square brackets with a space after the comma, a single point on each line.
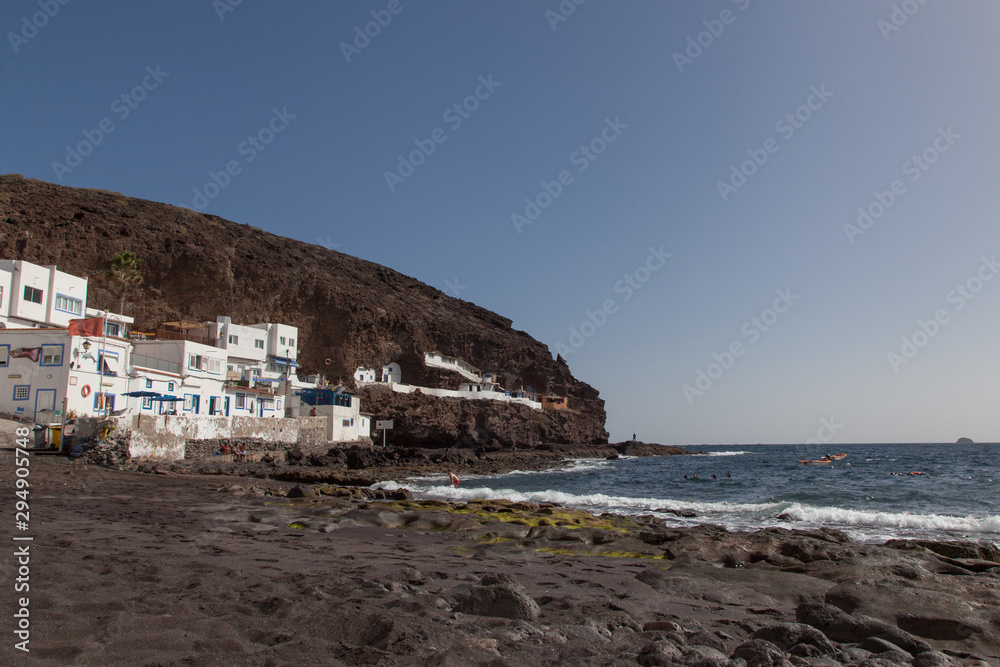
[385, 425]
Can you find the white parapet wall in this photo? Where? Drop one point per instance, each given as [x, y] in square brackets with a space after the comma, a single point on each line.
[465, 369]
[474, 395]
[163, 437]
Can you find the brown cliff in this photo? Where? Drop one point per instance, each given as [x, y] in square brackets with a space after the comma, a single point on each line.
[350, 311]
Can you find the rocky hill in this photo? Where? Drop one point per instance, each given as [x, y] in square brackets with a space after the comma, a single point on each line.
[350, 311]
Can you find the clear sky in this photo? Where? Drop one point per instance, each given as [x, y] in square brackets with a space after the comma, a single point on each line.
[739, 137]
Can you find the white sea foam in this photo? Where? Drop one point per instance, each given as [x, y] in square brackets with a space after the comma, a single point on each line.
[727, 453]
[597, 501]
[862, 518]
[861, 524]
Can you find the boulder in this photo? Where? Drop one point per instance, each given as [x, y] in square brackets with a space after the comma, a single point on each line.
[660, 653]
[761, 653]
[503, 600]
[840, 626]
[787, 635]
[301, 491]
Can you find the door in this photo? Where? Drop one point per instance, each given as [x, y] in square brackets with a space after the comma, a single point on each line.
[213, 405]
[226, 404]
[45, 399]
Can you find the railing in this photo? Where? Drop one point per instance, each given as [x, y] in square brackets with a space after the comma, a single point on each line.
[163, 334]
[156, 364]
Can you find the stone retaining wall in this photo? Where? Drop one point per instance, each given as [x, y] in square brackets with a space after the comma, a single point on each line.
[167, 437]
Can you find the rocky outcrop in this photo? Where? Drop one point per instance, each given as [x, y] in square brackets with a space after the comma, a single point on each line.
[349, 312]
[444, 422]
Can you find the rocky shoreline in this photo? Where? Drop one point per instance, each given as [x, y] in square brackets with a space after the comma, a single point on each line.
[173, 568]
[363, 465]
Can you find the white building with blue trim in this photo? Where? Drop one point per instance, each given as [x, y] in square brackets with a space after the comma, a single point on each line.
[48, 370]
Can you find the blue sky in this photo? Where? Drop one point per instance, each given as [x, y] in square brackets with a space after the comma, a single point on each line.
[665, 100]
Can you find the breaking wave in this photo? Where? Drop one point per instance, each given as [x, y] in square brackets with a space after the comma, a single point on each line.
[863, 525]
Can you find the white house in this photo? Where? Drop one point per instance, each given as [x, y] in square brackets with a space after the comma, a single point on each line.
[193, 372]
[282, 350]
[364, 375]
[261, 352]
[245, 347]
[342, 409]
[392, 373]
[34, 296]
[45, 370]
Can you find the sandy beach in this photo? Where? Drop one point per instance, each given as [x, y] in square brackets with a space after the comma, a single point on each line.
[168, 569]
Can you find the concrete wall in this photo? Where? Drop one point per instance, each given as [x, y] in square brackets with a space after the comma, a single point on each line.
[163, 437]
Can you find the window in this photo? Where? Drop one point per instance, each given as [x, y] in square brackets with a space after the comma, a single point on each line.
[195, 361]
[259, 344]
[241, 401]
[346, 422]
[108, 402]
[68, 304]
[108, 363]
[52, 355]
[234, 340]
[147, 403]
[215, 366]
[282, 340]
[170, 386]
[291, 342]
[266, 404]
[32, 294]
[1, 296]
[191, 402]
[21, 392]
[111, 328]
[4, 354]
[149, 383]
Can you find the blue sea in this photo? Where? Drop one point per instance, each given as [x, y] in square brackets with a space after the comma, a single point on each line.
[870, 494]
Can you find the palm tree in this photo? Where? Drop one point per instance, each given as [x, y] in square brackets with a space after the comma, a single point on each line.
[123, 268]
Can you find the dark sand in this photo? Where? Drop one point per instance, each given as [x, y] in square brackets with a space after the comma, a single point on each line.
[144, 569]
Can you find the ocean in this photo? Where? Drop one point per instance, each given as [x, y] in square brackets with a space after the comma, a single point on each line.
[870, 494]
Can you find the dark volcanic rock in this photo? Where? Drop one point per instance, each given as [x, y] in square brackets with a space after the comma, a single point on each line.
[502, 600]
[348, 311]
[761, 653]
[787, 635]
[840, 626]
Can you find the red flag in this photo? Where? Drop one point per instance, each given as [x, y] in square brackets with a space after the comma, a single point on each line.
[26, 353]
[93, 326]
